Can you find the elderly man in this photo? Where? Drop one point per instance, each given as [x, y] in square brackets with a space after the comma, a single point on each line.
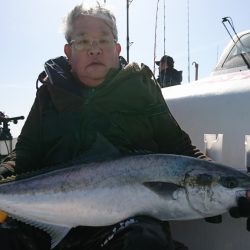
[85, 93]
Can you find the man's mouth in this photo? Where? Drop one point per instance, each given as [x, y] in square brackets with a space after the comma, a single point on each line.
[95, 64]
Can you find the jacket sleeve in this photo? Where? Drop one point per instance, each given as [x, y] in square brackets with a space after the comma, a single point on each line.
[168, 135]
[171, 139]
[27, 153]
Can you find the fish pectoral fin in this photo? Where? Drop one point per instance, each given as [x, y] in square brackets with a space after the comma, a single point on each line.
[163, 189]
[56, 232]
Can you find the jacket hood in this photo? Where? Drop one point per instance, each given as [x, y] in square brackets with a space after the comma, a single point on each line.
[59, 74]
[68, 94]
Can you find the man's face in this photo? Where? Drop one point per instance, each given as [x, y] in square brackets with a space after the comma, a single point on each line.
[163, 66]
[92, 51]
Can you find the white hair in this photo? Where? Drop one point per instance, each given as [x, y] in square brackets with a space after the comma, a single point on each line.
[97, 11]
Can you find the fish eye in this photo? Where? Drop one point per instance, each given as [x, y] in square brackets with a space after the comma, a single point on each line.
[229, 182]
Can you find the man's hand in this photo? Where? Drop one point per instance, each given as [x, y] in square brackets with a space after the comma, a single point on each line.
[6, 170]
[242, 210]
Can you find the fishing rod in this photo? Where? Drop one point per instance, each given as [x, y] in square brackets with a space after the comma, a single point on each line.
[188, 42]
[128, 42]
[156, 18]
[164, 29]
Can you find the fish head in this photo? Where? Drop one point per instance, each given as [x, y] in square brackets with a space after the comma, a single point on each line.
[212, 188]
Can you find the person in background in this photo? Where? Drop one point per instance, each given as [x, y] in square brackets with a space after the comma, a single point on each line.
[168, 75]
[87, 93]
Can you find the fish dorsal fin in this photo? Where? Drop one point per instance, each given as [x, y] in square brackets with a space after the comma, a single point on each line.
[101, 149]
[163, 189]
[56, 233]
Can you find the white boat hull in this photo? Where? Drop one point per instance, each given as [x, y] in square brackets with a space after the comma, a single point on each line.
[218, 108]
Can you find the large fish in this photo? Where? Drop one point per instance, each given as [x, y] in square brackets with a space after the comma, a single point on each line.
[167, 187]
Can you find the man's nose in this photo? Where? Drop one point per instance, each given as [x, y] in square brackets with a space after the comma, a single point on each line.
[95, 49]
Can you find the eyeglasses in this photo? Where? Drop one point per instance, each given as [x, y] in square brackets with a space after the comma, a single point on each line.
[82, 43]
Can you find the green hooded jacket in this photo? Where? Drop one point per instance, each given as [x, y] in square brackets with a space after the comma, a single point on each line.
[127, 108]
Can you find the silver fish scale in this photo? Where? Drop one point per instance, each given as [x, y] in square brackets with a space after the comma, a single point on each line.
[123, 170]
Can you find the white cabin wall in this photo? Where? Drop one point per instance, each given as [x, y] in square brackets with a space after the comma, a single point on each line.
[214, 108]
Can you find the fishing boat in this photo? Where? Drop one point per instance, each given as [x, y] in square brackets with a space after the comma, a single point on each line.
[215, 112]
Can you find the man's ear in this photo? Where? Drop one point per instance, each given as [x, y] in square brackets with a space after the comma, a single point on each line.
[118, 48]
[68, 51]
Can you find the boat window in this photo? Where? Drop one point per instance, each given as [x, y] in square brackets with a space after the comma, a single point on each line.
[234, 58]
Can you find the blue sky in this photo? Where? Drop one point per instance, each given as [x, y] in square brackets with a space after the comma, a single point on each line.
[30, 36]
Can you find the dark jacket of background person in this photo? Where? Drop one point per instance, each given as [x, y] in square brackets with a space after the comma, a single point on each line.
[168, 75]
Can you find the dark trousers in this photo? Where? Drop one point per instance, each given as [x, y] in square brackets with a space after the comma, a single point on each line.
[132, 234]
